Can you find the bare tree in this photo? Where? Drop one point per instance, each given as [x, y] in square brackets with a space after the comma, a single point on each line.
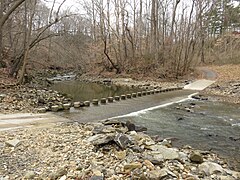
[3, 19]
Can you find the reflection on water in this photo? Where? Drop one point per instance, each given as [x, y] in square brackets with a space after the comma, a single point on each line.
[212, 126]
[82, 91]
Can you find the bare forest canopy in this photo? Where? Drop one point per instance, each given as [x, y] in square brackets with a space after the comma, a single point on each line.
[161, 37]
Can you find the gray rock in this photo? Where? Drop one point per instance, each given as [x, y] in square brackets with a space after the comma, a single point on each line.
[67, 106]
[161, 174]
[12, 143]
[97, 178]
[189, 110]
[59, 173]
[76, 104]
[54, 108]
[103, 101]
[167, 153]
[112, 122]
[29, 175]
[41, 110]
[4, 178]
[100, 139]
[122, 140]
[86, 103]
[140, 128]
[95, 101]
[196, 157]
[110, 99]
[130, 126]
[209, 168]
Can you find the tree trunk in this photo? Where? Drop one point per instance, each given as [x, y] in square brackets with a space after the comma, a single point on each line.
[27, 49]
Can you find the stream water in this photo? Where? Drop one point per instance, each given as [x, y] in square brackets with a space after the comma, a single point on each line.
[210, 126]
[83, 91]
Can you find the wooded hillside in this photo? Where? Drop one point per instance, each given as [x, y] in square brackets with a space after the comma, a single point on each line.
[165, 38]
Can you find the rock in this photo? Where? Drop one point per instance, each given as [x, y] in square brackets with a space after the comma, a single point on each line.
[167, 153]
[54, 108]
[137, 149]
[122, 140]
[149, 164]
[180, 118]
[97, 173]
[157, 161]
[161, 174]
[86, 103]
[100, 139]
[226, 178]
[67, 106]
[166, 143]
[196, 157]
[4, 178]
[134, 95]
[63, 177]
[41, 110]
[112, 122]
[130, 126]
[76, 104]
[120, 155]
[132, 166]
[12, 143]
[117, 98]
[209, 168]
[107, 81]
[108, 129]
[97, 178]
[140, 128]
[123, 97]
[110, 99]
[189, 110]
[95, 102]
[103, 101]
[59, 173]
[29, 175]
[154, 174]
[129, 96]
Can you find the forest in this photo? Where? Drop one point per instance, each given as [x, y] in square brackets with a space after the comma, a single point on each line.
[164, 39]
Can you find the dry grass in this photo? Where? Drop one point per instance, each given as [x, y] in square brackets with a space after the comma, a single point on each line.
[230, 72]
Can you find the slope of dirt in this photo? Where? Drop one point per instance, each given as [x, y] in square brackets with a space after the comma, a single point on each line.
[227, 87]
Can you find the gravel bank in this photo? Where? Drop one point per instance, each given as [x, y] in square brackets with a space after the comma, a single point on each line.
[105, 150]
[227, 87]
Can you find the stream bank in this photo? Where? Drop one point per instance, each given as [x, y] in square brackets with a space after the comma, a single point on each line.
[109, 149]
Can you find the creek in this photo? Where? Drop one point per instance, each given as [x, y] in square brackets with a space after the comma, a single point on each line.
[212, 126]
[84, 91]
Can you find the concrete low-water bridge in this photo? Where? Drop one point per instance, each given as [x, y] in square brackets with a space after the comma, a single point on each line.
[130, 106]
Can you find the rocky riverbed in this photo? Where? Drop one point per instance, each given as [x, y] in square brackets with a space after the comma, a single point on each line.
[28, 99]
[110, 149]
[227, 87]
[225, 91]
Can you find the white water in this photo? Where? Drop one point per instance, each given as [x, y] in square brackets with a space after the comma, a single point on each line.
[138, 113]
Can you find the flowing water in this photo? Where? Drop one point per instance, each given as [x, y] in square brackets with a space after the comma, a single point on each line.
[211, 126]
